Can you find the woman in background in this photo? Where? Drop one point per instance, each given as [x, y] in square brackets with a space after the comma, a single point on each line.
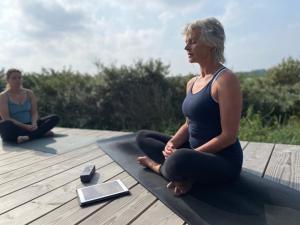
[18, 110]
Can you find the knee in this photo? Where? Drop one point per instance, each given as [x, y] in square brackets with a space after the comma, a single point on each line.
[7, 124]
[176, 163]
[55, 118]
[140, 137]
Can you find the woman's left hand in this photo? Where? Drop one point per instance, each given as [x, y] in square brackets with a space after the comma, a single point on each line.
[33, 127]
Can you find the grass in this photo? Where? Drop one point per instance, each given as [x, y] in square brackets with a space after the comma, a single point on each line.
[253, 129]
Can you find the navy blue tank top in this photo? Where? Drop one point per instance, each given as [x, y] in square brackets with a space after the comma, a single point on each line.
[202, 113]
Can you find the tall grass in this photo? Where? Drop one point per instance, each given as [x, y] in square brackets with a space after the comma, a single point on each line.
[253, 128]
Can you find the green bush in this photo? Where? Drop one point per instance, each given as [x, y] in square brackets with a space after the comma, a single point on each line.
[252, 129]
[145, 96]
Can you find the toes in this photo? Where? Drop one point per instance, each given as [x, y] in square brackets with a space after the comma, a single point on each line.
[181, 188]
[171, 185]
[21, 139]
[177, 191]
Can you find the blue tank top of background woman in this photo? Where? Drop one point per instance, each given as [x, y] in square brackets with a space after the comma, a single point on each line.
[20, 112]
[203, 114]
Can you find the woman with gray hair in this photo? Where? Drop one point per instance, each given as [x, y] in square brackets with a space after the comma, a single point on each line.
[205, 149]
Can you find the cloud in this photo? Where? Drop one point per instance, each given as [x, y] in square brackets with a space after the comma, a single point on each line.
[165, 17]
[233, 14]
[45, 19]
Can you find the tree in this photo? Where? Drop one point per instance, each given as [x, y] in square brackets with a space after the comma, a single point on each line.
[286, 73]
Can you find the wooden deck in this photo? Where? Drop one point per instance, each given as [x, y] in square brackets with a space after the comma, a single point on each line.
[38, 182]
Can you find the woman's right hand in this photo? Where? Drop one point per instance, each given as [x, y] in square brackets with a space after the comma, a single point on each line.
[169, 149]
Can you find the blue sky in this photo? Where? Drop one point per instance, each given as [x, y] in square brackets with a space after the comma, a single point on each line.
[37, 34]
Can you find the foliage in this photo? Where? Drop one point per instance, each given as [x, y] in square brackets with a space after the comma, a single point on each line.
[252, 129]
[145, 96]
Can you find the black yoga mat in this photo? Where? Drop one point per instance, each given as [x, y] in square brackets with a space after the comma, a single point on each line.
[250, 200]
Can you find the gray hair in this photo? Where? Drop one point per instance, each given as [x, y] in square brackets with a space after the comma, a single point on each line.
[212, 34]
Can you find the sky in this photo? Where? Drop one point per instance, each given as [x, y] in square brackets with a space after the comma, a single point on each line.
[57, 34]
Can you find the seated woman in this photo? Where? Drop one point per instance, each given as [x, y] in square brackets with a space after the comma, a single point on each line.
[205, 149]
[18, 110]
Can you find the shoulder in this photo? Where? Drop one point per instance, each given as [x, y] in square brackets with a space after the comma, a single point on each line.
[28, 91]
[227, 79]
[3, 95]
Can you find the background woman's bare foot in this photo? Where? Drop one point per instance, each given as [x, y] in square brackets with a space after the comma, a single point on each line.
[49, 134]
[149, 163]
[21, 139]
[180, 188]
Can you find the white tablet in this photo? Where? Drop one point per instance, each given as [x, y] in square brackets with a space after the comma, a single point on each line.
[98, 192]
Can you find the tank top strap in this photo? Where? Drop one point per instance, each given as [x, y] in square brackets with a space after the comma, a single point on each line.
[11, 101]
[218, 73]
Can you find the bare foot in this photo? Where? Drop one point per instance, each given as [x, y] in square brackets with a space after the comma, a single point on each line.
[180, 188]
[149, 163]
[21, 139]
[49, 134]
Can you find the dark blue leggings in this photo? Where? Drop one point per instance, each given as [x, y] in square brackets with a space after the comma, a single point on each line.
[186, 164]
[10, 131]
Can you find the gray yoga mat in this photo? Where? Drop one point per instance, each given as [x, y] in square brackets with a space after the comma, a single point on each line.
[250, 200]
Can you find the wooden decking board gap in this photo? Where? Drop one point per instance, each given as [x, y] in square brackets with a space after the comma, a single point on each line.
[48, 191]
[29, 164]
[11, 155]
[127, 179]
[41, 168]
[268, 161]
[27, 208]
[36, 219]
[104, 204]
[102, 155]
[16, 160]
[245, 145]
[119, 208]
[57, 197]
[142, 212]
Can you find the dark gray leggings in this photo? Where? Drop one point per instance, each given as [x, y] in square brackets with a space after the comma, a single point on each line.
[186, 163]
[10, 131]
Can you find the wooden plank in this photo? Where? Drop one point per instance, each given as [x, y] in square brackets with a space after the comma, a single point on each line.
[63, 145]
[11, 175]
[158, 214]
[71, 213]
[284, 165]
[6, 154]
[256, 156]
[38, 156]
[21, 157]
[9, 147]
[123, 210]
[35, 190]
[7, 150]
[37, 207]
[40, 175]
[243, 144]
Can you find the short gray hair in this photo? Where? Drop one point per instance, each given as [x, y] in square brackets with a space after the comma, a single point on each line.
[211, 33]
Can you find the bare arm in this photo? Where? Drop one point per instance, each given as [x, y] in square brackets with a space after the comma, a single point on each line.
[228, 94]
[182, 133]
[180, 136]
[34, 112]
[4, 112]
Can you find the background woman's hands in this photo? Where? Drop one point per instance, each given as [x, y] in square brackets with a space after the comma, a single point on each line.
[30, 127]
[169, 149]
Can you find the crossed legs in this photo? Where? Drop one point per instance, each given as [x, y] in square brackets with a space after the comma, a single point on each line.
[185, 166]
